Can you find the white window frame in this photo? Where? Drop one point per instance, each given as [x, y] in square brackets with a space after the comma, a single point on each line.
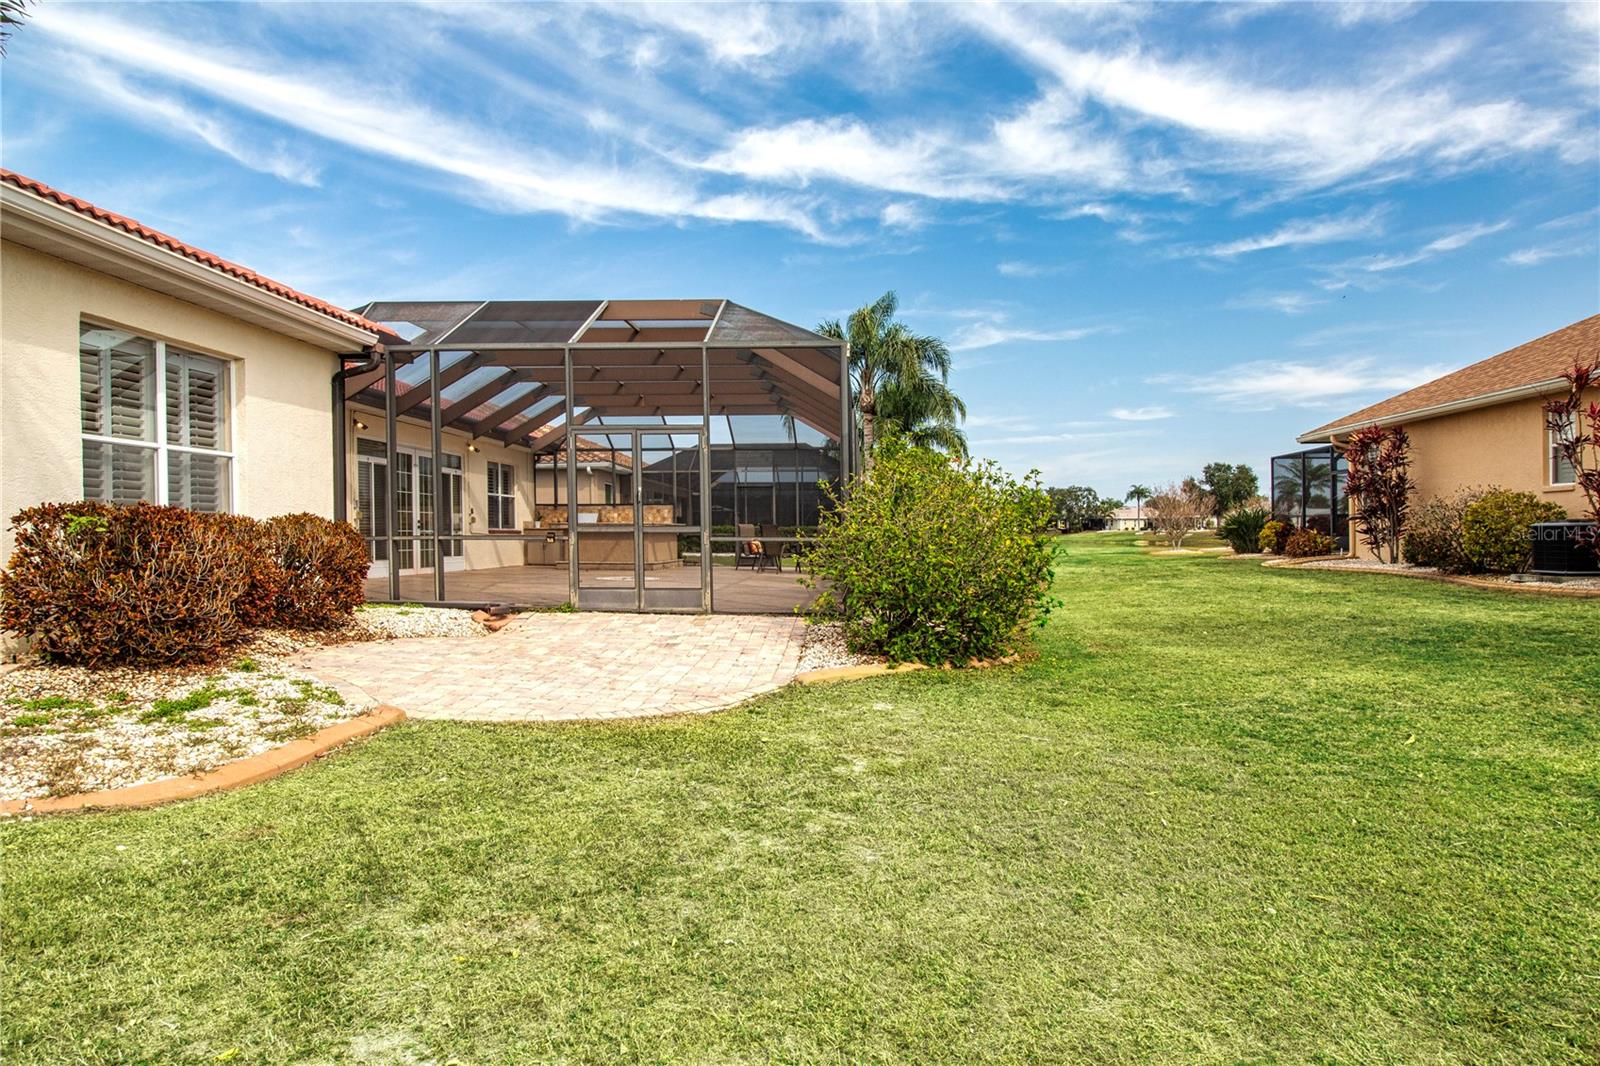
[1552, 459]
[160, 445]
[506, 497]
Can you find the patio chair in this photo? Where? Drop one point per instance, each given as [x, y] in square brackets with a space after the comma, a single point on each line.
[771, 548]
[742, 553]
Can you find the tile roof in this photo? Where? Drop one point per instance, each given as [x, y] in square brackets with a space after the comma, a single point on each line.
[1528, 364]
[172, 244]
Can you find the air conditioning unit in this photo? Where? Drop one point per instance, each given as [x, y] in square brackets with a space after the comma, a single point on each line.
[1557, 549]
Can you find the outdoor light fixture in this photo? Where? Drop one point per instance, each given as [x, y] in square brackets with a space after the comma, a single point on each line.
[471, 447]
[360, 424]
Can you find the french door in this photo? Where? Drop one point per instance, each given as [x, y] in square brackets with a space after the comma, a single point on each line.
[644, 548]
[412, 483]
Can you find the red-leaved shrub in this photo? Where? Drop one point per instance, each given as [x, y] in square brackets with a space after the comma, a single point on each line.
[95, 584]
[323, 566]
[1304, 543]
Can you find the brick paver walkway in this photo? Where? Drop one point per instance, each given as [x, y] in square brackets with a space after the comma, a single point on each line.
[559, 667]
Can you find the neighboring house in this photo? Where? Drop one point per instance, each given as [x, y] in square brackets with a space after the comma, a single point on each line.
[1128, 518]
[137, 367]
[1482, 425]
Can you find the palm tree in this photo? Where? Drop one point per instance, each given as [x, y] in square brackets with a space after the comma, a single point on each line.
[900, 377]
[1138, 494]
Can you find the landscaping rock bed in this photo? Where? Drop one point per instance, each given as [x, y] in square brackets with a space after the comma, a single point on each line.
[69, 729]
[824, 647]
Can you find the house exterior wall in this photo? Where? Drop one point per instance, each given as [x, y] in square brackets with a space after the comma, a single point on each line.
[1504, 446]
[281, 411]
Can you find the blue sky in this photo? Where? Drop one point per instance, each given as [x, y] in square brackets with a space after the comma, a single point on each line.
[1156, 235]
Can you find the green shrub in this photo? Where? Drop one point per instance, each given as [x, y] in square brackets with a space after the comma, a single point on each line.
[1433, 535]
[932, 561]
[1274, 535]
[1304, 543]
[1242, 529]
[1497, 529]
[95, 584]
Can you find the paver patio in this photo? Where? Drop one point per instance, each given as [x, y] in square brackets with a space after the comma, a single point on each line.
[563, 667]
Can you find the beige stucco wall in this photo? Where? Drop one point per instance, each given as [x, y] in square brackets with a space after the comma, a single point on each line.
[282, 405]
[475, 481]
[1503, 446]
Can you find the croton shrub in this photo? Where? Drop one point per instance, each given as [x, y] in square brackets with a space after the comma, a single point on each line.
[1273, 536]
[97, 584]
[1305, 543]
[934, 561]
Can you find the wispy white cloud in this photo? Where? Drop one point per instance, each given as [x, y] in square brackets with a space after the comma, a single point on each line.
[1017, 268]
[1449, 242]
[1328, 229]
[1266, 384]
[496, 169]
[1153, 413]
[993, 331]
[175, 115]
[1377, 123]
[1288, 303]
[1536, 254]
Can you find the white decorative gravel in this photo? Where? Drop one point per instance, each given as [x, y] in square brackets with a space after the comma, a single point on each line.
[68, 729]
[824, 647]
[390, 622]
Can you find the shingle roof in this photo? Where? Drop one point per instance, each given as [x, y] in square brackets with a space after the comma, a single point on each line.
[188, 251]
[1534, 363]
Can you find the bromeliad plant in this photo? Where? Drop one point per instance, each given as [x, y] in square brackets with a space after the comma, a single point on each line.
[934, 560]
[1575, 428]
[1378, 484]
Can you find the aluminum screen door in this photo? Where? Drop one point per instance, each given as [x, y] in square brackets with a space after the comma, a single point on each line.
[640, 542]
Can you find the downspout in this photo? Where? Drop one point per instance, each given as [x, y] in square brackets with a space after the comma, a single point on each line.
[372, 354]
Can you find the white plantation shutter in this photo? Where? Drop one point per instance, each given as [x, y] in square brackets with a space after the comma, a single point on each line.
[117, 390]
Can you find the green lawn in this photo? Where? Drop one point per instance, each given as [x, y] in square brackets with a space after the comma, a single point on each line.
[1230, 814]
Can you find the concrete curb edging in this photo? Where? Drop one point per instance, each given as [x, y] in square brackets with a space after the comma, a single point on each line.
[854, 673]
[228, 776]
[1464, 580]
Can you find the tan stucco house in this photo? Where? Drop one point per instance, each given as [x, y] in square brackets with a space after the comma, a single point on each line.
[1481, 425]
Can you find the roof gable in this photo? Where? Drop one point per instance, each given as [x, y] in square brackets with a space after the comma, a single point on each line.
[188, 251]
[1539, 362]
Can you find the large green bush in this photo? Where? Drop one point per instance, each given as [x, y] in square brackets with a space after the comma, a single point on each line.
[934, 561]
[95, 584]
[1433, 535]
[1497, 529]
[1242, 529]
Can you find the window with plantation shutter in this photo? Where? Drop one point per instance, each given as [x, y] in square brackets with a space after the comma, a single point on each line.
[133, 450]
[502, 496]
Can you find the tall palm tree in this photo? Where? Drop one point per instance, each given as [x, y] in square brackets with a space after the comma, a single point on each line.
[1138, 494]
[900, 377]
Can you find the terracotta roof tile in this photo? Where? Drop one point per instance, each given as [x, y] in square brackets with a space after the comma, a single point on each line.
[172, 244]
[1537, 361]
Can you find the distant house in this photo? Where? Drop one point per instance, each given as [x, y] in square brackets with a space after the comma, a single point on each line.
[1481, 425]
[1124, 518]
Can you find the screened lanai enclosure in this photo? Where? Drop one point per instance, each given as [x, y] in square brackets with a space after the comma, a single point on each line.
[633, 455]
[1308, 492]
